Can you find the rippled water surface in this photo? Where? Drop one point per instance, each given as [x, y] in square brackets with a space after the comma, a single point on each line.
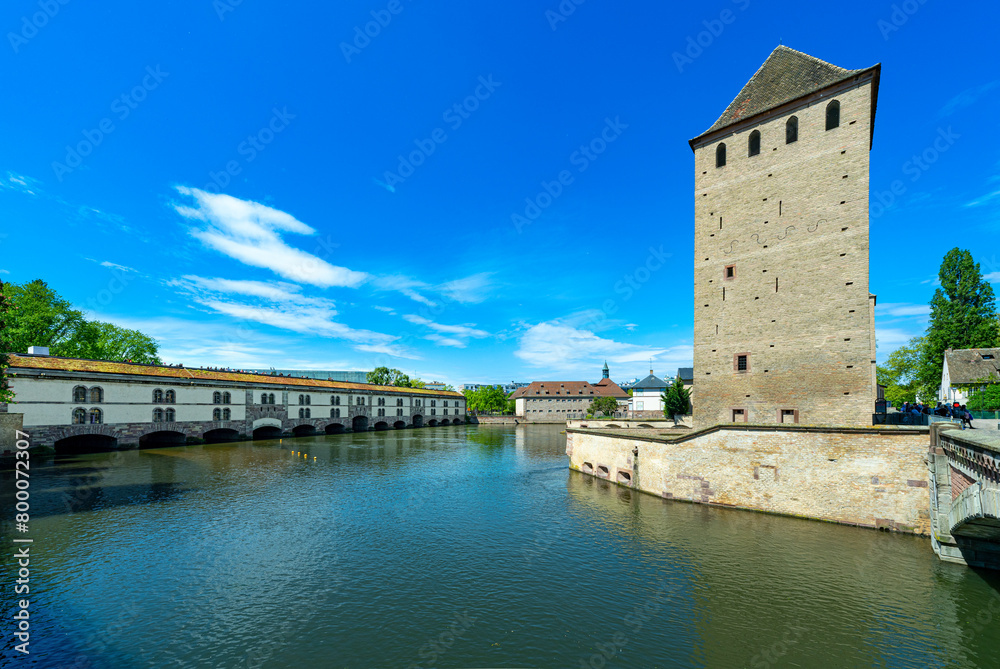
[460, 547]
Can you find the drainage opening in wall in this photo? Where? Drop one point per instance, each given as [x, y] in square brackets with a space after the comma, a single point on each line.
[602, 471]
[624, 477]
[587, 468]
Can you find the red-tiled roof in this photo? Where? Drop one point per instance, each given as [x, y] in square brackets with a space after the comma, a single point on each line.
[107, 367]
[564, 389]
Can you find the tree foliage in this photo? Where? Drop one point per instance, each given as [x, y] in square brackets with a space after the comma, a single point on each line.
[488, 399]
[605, 405]
[899, 373]
[676, 400]
[383, 376]
[39, 316]
[963, 315]
[986, 398]
[6, 395]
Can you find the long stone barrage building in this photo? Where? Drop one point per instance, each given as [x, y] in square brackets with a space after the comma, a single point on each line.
[784, 321]
[74, 404]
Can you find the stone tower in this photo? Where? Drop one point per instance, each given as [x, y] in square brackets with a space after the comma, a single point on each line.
[784, 327]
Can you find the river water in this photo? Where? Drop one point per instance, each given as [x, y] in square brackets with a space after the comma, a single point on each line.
[458, 546]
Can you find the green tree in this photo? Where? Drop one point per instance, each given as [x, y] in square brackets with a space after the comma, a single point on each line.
[963, 315]
[416, 383]
[6, 395]
[986, 398]
[606, 405]
[899, 373]
[486, 399]
[95, 340]
[39, 317]
[676, 400]
[383, 376]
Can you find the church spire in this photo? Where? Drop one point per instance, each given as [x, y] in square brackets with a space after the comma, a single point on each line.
[607, 372]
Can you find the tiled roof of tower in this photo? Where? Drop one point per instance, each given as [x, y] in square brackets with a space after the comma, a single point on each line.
[787, 74]
[188, 373]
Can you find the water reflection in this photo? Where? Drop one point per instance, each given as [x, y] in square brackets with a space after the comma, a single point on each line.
[361, 554]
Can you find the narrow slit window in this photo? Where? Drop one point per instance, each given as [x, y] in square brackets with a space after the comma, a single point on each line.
[792, 130]
[833, 115]
[720, 155]
[753, 148]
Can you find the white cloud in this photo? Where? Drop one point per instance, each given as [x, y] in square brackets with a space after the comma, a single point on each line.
[893, 337]
[441, 340]
[282, 305]
[249, 232]
[388, 310]
[554, 345]
[19, 183]
[967, 98]
[121, 268]
[902, 309]
[470, 290]
[407, 287]
[992, 277]
[4, 271]
[460, 334]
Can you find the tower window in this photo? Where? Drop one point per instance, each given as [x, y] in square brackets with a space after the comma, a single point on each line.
[739, 415]
[833, 115]
[754, 143]
[729, 272]
[720, 155]
[741, 362]
[792, 130]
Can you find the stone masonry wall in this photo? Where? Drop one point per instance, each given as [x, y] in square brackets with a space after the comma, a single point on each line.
[865, 477]
[793, 221]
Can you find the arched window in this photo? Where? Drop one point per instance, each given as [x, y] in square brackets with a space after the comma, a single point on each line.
[96, 395]
[434, 403]
[334, 413]
[270, 398]
[227, 414]
[96, 416]
[302, 400]
[399, 402]
[170, 415]
[361, 401]
[308, 413]
[157, 415]
[170, 396]
[720, 155]
[157, 396]
[79, 416]
[792, 130]
[216, 397]
[302, 413]
[227, 398]
[263, 398]
[335, 400]
[832, 115]
[308, 400]
[754, 143]
[79, 394]
[216, 414]
[417, 402]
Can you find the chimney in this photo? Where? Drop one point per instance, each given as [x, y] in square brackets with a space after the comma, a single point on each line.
[38, 350]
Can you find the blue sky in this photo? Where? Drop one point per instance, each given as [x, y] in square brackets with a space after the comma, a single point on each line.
[242, 196]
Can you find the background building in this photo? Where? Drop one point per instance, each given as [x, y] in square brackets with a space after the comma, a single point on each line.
[349, 377]
[565, 399]
[967, 369]
[647, 397]
[784, 322]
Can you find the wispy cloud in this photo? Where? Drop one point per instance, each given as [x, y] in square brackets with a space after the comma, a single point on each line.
[459, 334]
[388, 310]
[470, 290]
[249, 232]
[966, 98]
[20, 183]
[902, 309]
[556, 345]
[120, 268]
[407, 287]
[4, 271]
[282, 305]
[992, 277]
